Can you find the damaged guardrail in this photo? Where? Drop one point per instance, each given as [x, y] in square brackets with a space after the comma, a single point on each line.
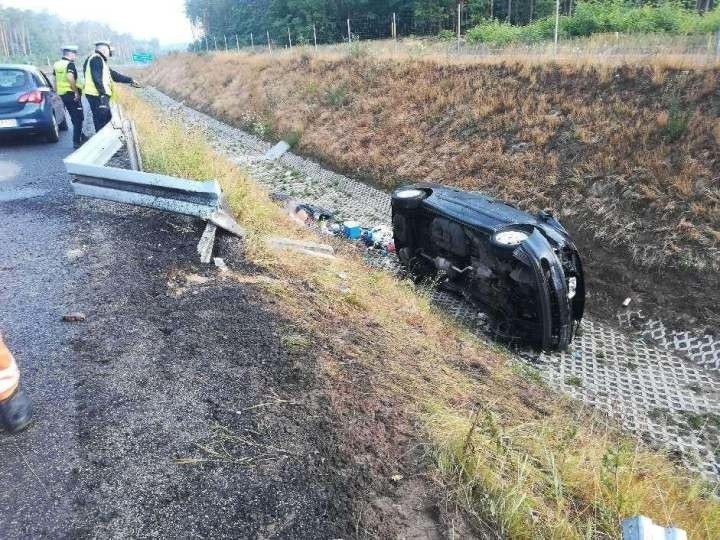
[91, 177]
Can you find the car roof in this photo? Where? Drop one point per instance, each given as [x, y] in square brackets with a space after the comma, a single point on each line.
[23, 67]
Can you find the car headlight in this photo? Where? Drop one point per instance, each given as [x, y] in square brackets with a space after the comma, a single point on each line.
[408, 193]
[510, 238]
[572, 287]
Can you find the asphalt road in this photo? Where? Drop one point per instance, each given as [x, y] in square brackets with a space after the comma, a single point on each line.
[146, 414]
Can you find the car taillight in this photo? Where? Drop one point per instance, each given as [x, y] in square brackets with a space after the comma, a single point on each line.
[34, 96]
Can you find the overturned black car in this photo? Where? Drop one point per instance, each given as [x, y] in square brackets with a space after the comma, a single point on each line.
[523, 268]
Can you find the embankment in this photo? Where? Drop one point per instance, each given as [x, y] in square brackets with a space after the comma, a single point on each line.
[626, 157]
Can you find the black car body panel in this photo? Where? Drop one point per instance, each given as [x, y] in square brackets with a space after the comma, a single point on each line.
[525, 268]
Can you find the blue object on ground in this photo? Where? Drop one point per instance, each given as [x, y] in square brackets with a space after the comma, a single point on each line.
[351, 229]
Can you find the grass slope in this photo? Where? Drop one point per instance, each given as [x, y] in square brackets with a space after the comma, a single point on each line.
[518, 459]
[627, 157]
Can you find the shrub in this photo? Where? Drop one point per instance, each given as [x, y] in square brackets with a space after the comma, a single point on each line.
[358, 49]
[592, 17]
[677, 123]
[447, 35]
[494, 32]
[336, 97]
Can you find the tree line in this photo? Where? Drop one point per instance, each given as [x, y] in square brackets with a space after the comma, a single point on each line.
[32, 37]
[219, 20]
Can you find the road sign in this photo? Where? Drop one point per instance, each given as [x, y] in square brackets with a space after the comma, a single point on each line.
[142, 58]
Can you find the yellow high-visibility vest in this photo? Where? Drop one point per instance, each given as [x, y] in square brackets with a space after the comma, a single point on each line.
[61, 77]
[90, 88]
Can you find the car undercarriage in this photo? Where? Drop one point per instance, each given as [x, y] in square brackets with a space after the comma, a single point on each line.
[524, 269]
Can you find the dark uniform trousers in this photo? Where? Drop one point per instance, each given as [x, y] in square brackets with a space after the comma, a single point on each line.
[101, 115]
[75, 109]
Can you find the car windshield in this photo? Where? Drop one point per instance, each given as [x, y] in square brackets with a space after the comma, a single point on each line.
[13, 80]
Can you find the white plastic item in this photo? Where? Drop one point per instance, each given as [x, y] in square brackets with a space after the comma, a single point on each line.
[643, 528]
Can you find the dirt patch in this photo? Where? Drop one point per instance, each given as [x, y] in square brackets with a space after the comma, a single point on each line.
[196, 418]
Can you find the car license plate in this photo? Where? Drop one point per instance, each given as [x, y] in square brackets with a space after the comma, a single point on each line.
[8, 123]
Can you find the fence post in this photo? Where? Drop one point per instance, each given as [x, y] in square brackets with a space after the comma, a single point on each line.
[349, 33]
[270, 46]
[225, 38]
[394, 27]
[459, 25]
[289, 38]
[252, 42]
[557, 24]
[717, 43]
[207, 45]
[315, 36]
[215, 41]
[237, 42]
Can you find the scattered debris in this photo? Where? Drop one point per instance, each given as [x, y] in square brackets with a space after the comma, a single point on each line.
[643, 528]
[276, 151]
[352, 230]
[220, 263]
[207, 243]
[627, 301]
[396, 478]
[75, 316]
[310, 248]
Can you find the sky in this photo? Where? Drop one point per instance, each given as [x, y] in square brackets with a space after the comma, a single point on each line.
[144, 19]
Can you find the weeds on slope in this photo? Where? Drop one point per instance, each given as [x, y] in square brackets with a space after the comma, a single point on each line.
[515, 457]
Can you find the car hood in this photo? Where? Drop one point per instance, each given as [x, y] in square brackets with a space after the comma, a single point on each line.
[488, 214]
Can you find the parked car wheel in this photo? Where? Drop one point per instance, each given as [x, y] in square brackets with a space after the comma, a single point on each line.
[53, 134]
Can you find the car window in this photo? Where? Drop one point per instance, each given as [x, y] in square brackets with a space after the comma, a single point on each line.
[46, 80]
[13, 80]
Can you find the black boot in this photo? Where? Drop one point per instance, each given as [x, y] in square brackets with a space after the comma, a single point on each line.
[16, 412]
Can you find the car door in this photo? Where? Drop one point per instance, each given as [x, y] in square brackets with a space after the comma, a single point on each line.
[56, 101]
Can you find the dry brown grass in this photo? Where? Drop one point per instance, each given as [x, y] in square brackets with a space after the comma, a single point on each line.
[514, 455]
[565, 137]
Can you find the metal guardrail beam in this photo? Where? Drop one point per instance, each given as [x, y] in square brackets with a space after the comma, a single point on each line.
[92, 178]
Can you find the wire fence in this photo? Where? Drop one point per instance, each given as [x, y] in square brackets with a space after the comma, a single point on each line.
[328, 32]
[403, 33]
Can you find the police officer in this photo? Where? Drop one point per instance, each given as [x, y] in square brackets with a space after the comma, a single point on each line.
[99, 81]
[68, 88]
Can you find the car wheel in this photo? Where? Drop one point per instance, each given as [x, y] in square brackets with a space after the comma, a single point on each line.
[63, 126]
[53, 134]
[408, 198]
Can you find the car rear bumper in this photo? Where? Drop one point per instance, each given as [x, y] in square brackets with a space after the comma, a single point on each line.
[30, 119]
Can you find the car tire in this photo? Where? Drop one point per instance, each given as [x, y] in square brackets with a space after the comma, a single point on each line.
[408, 198]
[53, 133]
[63, 126]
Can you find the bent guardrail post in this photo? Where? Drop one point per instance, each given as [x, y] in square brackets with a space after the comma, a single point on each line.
[92, 178]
